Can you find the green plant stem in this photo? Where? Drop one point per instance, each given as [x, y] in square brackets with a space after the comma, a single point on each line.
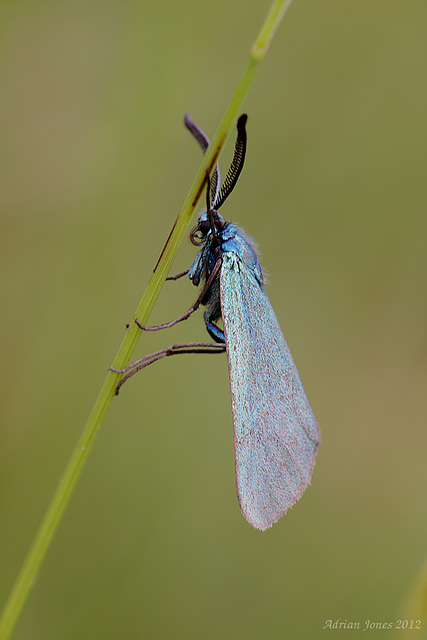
[414, 609]
[68, 481]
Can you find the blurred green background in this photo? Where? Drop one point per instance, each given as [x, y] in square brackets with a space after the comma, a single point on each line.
[95, 165]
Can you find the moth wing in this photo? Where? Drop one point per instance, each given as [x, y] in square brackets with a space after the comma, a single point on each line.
[275, 432]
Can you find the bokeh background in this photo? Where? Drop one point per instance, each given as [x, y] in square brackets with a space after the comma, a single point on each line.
[95, 165]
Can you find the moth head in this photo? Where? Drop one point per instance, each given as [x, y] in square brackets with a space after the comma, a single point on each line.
[209, 223]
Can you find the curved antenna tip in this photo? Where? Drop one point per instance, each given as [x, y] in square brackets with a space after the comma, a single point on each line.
[241, 122]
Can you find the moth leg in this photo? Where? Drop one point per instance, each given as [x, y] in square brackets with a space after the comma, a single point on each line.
[214, 331]
[178, 275]
[175, 349]
[192, 309]
[166, 325]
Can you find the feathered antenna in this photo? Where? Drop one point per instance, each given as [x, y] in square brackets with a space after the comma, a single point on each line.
[236, 164]
[203, 141]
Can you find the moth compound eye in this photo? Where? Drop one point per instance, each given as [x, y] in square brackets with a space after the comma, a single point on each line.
[196, 236]
[199, 232]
